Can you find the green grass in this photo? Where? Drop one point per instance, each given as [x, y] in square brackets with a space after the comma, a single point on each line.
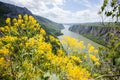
[95, 39]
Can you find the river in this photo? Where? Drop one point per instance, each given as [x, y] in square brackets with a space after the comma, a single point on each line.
[66, 32]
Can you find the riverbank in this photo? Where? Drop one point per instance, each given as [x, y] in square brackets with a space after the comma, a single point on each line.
[79, 37]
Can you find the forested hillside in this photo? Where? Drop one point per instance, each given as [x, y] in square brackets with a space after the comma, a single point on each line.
[98, 32]
[8, 10]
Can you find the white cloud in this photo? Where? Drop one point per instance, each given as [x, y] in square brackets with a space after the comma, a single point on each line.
[54, 2]
[88, 16]
[58, 14]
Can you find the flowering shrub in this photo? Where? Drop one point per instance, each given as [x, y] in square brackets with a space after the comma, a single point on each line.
[27, 52]
[73, 47]
[88, 54]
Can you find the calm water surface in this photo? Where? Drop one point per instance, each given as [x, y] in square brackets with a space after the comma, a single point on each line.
[66, 32]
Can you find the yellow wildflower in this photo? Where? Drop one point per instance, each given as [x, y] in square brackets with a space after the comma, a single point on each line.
[2, 29]
[42, 31]
[52, 38]
[85, 56]
[8, 20]
[60, 52]
[6, 28]
[19, 21]
[2, 60]
[76, 58]
[25, 17]
[4, 51]
[97, 63]
[95, 51]
[94, 58]
[14, 20]
[81, 45]
[19, 16]
[91, 49]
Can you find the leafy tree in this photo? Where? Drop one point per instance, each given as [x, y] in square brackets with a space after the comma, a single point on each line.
[111, 58]
[111, 8]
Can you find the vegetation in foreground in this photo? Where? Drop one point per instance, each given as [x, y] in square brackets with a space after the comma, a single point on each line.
[27, 52]
[9, 10]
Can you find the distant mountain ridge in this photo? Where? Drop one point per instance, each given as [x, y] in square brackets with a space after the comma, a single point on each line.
[9, 10]
[95, 31]
[42, 19]
[49, 25]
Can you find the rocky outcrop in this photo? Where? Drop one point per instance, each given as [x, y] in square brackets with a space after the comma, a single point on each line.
[102, 32]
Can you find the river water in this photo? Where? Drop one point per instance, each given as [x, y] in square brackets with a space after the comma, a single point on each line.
[66, 32]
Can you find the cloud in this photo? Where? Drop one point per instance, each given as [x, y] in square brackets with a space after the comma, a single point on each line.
[54, 2]
[58, 14]
[87, 16]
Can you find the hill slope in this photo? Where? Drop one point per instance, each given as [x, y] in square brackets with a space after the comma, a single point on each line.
[8, 10]
[95, 31]
[49, 25]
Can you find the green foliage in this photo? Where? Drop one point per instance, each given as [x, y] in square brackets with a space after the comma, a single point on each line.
[111, 8]
[50, 29]
[7, 10]
[27, 52]
[96, 39]
[96, 32]
[111, 55]
[50, 26]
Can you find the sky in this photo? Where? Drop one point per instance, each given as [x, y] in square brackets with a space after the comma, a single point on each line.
[63, 11]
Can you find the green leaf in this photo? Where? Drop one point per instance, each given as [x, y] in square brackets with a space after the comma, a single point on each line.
[102, 8]
[118, 61]
[109, 13]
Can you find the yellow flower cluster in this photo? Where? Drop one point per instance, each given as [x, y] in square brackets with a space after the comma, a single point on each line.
[53, 39]
[77, 73]
[81, 45]
[93, 58]
[72, 45]
[42, 31]
[8, 20]
[33, 55]
[8, 39]
[22, 26]
[4, 51]
[31, 42]
[76, 58]
[67, 64]
[72, 42]
[2, 60]
[91, 49]
[60, 52]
